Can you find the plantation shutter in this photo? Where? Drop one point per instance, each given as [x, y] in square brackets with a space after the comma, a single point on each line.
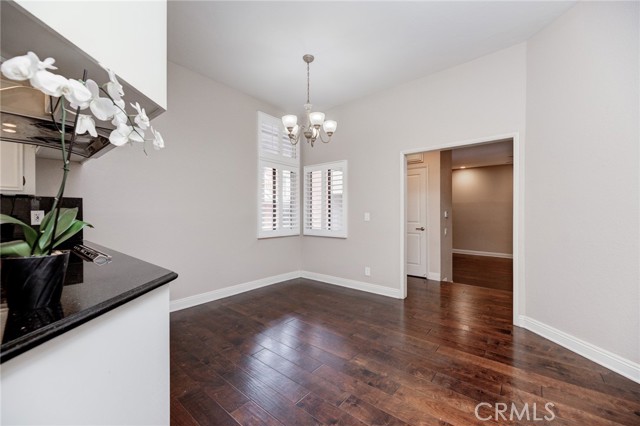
[325, 200]
[273, 142]
[278, 180]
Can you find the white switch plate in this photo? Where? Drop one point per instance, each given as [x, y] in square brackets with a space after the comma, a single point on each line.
[367, 216]
[367, 271]
[37, 216]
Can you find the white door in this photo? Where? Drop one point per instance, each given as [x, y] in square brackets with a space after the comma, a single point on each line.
[417, 222]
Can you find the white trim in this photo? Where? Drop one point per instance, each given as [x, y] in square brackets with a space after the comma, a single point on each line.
[482, 253]
[353, 284]
[518, 212]
[435, 276]
[403, 226]
[620, 365]
[210, 296]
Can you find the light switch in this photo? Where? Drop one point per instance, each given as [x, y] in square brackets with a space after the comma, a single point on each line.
[37, 216]
[367, 216]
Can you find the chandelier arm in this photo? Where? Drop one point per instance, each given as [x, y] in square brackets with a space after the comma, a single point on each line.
[294, 139]
[322, 139]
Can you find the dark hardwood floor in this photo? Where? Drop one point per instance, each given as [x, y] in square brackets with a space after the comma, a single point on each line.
[483, 271]
[308, 353]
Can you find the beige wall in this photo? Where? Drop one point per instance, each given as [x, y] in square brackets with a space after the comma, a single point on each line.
[192, 206]
[582, 176]
[482, 98]
[446, 224]
[483, 209]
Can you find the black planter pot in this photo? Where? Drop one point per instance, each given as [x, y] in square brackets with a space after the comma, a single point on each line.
[34, 282]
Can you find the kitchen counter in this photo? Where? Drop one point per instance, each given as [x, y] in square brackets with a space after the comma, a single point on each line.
[89, 292]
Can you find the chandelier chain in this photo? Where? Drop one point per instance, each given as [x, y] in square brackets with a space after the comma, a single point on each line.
[308, 101]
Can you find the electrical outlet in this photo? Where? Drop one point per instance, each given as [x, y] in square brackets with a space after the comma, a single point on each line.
[367, 217]
[37, 216]
[367, 271]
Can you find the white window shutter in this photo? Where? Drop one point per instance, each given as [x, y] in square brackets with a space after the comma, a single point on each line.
[278, 180]
[273, 141]
[325, 200]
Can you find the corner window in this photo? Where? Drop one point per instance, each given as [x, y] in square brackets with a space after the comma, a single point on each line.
[278, 180]
[325, 200]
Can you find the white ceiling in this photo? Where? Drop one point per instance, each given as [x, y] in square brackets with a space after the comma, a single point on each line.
[360, 47]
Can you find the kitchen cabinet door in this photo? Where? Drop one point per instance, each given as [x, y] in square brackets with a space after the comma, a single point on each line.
[17, 168]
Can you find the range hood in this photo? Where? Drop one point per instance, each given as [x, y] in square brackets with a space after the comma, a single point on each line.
[27, 108]
[25, 119]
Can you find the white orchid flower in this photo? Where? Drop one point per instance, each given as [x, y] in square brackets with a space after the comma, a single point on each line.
[86, 124]
[119, 114]
[102, 108]
[120, 135]
[56, 85]
[25, 67]
[49, 83]
[158, 141]
[114, 88]
[77, 94]
[141, 119]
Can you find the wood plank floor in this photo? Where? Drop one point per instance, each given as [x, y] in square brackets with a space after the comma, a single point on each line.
[483, 271]
[308, 353]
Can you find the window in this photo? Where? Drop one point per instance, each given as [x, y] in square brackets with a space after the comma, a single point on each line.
[325, 200]
[278, 176]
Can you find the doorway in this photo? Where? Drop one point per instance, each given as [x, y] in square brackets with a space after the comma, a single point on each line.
[444, 217]
[482, 215]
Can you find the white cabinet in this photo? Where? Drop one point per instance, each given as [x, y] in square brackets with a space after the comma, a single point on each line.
[112, 370]
[17, 168]
[130, 37]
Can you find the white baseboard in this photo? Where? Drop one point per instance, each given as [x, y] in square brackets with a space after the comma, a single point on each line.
[620, 365]
[435, 276]
[356, 285]
[482, 253]
[210, 296]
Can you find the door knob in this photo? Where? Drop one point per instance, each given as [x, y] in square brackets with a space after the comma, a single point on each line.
[420, 229]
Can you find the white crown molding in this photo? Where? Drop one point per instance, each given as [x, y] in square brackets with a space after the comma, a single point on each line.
[620, 365]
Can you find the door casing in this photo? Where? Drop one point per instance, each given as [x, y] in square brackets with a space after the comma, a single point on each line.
[518, 212]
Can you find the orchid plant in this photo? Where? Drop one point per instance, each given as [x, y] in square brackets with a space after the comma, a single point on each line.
[106, 104]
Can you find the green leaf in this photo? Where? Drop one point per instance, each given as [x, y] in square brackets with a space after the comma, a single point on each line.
[76, 227]
[30, 234]
[18, 248]
[45, 220]
[66, 218]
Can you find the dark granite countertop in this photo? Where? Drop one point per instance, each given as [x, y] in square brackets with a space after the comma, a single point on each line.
[89, 291]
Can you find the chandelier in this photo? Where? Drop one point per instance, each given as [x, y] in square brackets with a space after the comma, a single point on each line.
[316, 122]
